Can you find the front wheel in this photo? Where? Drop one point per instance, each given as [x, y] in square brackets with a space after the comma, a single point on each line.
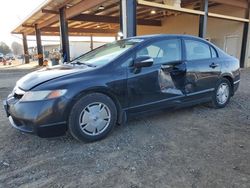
[92, 117]
[222, 94]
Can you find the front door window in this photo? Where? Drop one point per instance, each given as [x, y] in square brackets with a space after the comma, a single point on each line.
[163, 51]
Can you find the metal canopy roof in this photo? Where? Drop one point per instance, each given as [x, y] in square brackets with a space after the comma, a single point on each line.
[99, 17]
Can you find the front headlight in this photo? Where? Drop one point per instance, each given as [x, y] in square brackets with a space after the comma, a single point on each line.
[43, 95]
[18, 91]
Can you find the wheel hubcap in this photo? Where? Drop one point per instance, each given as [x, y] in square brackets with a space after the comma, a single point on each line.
[94, 119]
[222, 93]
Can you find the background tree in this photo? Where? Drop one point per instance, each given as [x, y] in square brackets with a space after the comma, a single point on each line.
[17, 48]
[4, 48]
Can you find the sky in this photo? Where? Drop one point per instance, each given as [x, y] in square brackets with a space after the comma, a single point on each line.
[14, 12]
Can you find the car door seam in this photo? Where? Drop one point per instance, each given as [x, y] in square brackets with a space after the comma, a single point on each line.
[164, 100]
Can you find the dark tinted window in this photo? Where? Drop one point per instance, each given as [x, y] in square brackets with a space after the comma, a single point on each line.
[196, 50]
[163, 51]
[213, 52]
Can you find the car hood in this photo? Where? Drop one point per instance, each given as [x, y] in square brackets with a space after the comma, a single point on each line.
[38, 77]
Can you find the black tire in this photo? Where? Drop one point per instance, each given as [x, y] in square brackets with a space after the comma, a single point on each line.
[80, 109]
[215, 103]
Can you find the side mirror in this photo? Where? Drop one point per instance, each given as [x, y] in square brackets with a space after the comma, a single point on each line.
[143, 61]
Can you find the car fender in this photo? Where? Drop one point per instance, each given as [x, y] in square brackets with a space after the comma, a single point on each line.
[97, 89]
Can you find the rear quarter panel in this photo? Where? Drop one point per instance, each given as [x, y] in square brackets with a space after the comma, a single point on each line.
[230, 67]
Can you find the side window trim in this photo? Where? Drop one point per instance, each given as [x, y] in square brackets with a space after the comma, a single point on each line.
[183, 50]
[216, 53]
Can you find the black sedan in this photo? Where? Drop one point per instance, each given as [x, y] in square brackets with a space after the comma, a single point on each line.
[98, 90]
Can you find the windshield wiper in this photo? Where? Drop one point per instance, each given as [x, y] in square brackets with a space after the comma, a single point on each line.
[82, 63]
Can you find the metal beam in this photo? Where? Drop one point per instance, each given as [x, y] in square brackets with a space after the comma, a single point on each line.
[82, 6]
[79, 30]
[64, 35]
[120, 16]
[168, 7]
[50, 21]
[55, 31]
[220, 16]
[129, 21]
[29, 26]
[73, 11]
[91, 42]
[55, 18]
[106, 8]
[189, 11]
[79, 34]
[112, 19]
[39, 46]
[50, 11]
[203, 19]
[245, 40]
[25, 49]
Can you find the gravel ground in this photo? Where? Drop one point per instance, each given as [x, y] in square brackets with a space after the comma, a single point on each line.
[192, 147]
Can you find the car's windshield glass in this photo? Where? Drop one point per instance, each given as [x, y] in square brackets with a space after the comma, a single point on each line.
[105, 54]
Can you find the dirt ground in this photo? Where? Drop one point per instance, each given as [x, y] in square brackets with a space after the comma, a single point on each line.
[194, 147]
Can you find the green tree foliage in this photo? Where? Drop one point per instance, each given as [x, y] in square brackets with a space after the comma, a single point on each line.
[4, 48]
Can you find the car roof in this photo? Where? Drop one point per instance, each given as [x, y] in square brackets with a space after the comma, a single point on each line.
[155, 36]
[165, 36]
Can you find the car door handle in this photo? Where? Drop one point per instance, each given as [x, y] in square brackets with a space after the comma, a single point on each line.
[166, 66]
[213, 65]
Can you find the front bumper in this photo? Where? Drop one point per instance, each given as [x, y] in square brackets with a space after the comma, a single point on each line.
[44, 118]
[236, 85]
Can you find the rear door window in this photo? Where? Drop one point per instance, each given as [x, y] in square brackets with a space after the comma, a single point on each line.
[196, 50]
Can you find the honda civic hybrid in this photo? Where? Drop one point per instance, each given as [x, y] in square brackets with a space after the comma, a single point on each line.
[100, 89]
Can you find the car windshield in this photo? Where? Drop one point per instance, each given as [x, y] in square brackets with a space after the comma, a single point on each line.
[105, 54]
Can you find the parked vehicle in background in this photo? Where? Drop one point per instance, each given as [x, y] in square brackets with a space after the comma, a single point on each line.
[1, 57]
[98, 90]
[9, 56]
[20, 57]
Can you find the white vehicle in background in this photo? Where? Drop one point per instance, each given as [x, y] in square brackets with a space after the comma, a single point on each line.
[10, 56]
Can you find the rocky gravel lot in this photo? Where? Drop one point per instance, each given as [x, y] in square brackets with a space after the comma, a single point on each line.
[194, 147]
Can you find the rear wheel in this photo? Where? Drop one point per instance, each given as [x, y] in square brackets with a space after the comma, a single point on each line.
[222, 93]
[92, 117]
